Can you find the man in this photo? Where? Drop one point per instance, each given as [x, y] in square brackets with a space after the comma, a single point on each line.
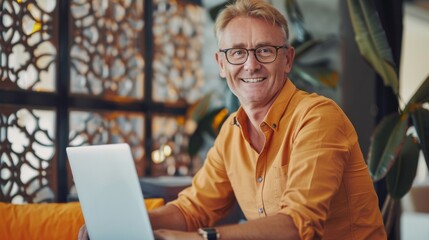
[290, 159]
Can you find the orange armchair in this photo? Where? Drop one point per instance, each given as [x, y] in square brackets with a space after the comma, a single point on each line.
[46, 220]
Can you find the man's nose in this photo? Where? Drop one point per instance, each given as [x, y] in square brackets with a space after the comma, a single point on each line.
[252, 62]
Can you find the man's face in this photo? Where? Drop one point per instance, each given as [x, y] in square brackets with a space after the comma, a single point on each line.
[255, 84]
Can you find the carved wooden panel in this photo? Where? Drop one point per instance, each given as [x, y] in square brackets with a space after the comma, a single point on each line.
[28, 45]
[106, 48]
[60, 62]
[92, 128]
[27, 154]
[178, 39]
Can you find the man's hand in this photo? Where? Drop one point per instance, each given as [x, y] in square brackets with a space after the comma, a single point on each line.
[164, 234]
[83, 233]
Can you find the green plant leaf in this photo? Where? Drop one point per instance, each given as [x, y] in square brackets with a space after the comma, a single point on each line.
[401, 176]
[387, 139]
[420, 119]
[296, 22]
[421, 95]
[196, 141]
[207, 121]
[372, 42]
[298, 73]
[293, 10]
[317, 75]
[307, 45]
[197, 110]
[214, 11]
[379, 141]
[205, 126]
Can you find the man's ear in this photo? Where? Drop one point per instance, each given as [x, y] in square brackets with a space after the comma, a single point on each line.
[290, 55]
[221, 65]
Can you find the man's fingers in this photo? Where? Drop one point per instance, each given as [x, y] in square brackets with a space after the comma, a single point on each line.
[83, 233]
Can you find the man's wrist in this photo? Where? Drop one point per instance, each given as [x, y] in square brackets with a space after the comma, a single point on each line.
[209, 233]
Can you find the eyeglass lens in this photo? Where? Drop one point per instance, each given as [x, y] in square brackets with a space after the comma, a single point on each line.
[265, 54]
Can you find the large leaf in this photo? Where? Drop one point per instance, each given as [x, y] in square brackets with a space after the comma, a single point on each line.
[209, 124]
[299, 73]
[379, 140]
[196, 141]
[296, 21]
[317, 75]
[199, 108]
[304, 47]
[401, 176]
[421, 95]
[385, 144]
[293, 11]
[420, 119]
[372, 41]
[214, 11]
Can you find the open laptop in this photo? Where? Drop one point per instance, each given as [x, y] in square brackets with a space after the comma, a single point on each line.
[109, 192]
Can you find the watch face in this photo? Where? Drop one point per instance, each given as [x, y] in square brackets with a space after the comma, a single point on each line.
[208, 233]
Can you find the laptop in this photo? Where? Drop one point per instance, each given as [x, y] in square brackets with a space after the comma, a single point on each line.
[109, 192]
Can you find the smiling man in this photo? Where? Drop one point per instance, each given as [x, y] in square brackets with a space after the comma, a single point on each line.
[290, 159]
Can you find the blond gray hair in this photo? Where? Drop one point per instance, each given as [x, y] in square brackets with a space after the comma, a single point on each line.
[250, 8]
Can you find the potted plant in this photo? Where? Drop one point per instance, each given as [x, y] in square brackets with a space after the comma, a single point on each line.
[394, 151]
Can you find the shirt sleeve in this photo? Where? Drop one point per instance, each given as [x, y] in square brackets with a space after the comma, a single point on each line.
[210, 197]
[320, 151]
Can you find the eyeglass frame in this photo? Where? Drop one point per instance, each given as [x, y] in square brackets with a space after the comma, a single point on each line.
[225, 50]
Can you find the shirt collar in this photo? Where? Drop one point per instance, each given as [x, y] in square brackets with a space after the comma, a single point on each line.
[276, 110]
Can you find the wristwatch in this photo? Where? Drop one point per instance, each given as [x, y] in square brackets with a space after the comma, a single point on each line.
[209, 233]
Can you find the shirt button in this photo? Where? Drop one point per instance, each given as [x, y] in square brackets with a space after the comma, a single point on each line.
[261, 210]
[260, 179]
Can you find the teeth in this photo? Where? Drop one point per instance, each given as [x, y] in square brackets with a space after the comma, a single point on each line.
[252, 80]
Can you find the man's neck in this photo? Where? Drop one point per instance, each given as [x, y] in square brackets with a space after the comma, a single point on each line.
[255, 116]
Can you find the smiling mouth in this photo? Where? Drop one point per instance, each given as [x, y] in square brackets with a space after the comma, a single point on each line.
[252, 80]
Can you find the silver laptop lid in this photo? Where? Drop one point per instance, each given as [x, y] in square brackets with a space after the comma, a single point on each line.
[109, 192]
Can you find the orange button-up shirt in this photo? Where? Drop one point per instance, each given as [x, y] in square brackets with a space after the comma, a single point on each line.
[310, 168]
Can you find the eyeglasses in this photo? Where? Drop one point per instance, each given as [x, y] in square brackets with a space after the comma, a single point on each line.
[264, 54]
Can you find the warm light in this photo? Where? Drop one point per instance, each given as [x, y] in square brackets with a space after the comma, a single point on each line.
[167, 150]
[158, 157]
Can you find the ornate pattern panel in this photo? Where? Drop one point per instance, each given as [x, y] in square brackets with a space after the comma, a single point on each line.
[91, 128]
[178, 37]
[170, 136]
[106, 46]
[28, 45]
[27, 155]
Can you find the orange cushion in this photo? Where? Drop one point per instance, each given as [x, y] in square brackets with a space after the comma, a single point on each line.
[46, 220]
